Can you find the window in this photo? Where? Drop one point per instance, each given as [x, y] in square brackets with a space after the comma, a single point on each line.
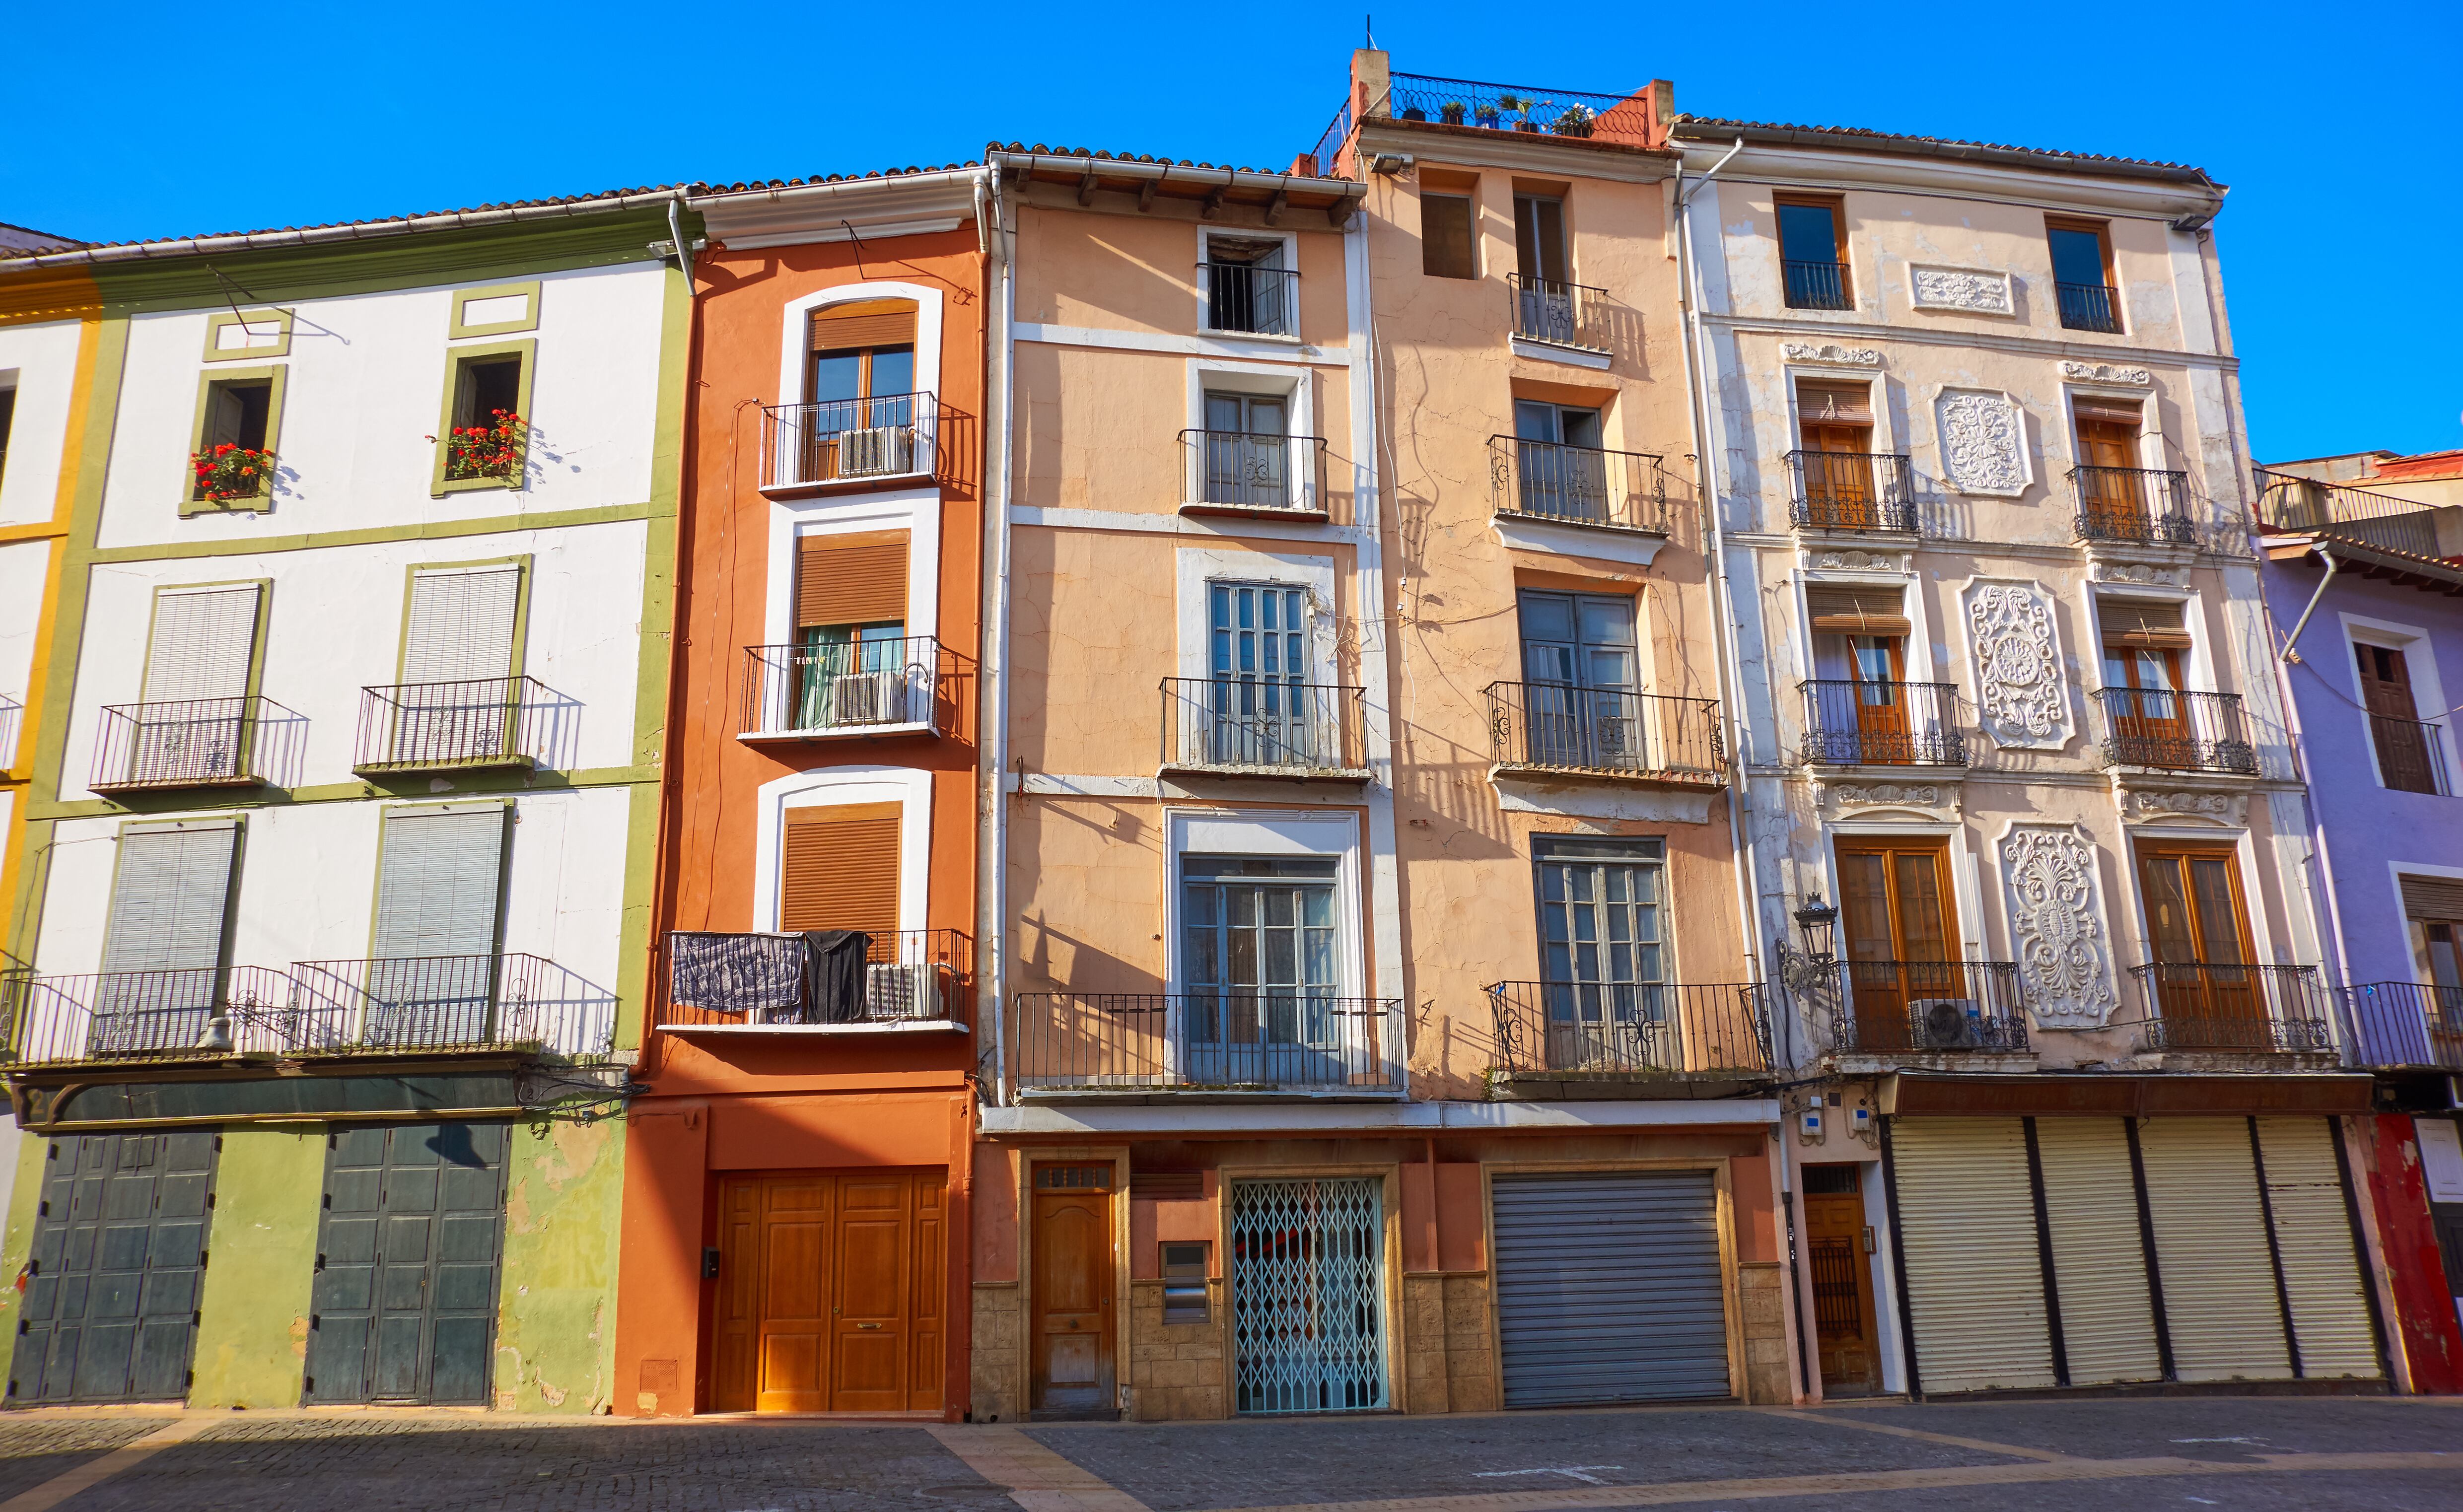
[433, 969]
[2197, 936]
[1896, 909]
[2409, 757]
[162, 944]
[1602, 963]
[192, 722]
[8, 415]
[1258, 949]
[859, 410]
[2433, 908]
[2084, 283]
[484, 442]
[1248, 449]
[1812, 248]
[1580, 669]
[2114, 492]
[839, 869]
[852, 655]
[1448, 246]
[1833, 426]
[488, 387]
[239, 408]
[2143, 643]
[454, 702]
[1539, 240]
[1561, 473]
[1859, 695]
[1248, 286]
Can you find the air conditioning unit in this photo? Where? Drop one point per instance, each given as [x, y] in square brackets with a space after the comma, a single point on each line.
[877, 451]
[869, 698]
[905, 991]
[1950, 1024]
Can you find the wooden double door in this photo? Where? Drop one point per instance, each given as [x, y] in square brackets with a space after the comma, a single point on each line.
[831, 1291]
[1901, 923]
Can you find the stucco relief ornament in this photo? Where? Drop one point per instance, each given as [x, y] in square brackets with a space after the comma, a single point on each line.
[1962, 288]
[2019, 686]
[1895, 794]
[2106, 373]
[1853, 561]
[1831, 354]
[1982, 442]
[2056, 924]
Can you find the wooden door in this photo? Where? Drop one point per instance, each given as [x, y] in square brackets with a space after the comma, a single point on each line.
[1895, 908]
[1073, 1289]
[1838, 475]
[1838, 1243]
[2404, 752]
[2147, 713]
[2197, 929]
[1880, 670]
[2109, 489]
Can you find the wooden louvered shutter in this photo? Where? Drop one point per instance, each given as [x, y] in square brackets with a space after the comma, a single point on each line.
[461, 624]
[167, 897]
[2433, 898]
[839, 869]
[867, 323]
[1834, 404]
[436, 891]
[1858, 610]
[858, 579]
[202, 645]
[2138, 622]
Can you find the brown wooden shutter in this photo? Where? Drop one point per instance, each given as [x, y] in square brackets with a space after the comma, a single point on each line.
[1858, 610]
[865, 323]
[2433, 898]
[2113, 411]
[840, 869]
[856, 579]
[1844, 404]
[2137, 622]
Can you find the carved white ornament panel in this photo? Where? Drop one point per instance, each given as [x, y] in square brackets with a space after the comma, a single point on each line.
[1983, 441]
[2056, 927]
[1970, 289]
[2106, 373]
[1831, 354]
[1849, 559]
[2019, 690]
[2223, 808]
[2144, 573]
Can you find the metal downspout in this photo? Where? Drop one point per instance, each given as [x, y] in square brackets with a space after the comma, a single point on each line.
[991, 993]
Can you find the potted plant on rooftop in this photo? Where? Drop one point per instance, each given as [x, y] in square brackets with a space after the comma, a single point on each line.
[1414, 112]
[1451, 112]
[1576, 121]
[1487, 115]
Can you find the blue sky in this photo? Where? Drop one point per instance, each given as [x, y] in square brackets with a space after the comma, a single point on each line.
[2335, 124]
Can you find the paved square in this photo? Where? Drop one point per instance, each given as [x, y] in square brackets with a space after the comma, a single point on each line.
[32, 1450]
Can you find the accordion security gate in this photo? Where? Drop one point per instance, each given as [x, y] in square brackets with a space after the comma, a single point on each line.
[1308, 1295]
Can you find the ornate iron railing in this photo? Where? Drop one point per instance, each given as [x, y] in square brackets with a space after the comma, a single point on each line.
[1630, 1027]
[2176, 731]
[1245, 298]
[2137, 505]
[2407, 1024]
[1561, 727]
[1229, 1040]
[1852, 490]
[2089, 307]
[1816, 285]
[1263, 726]
[479, 723]
[1852, 724]
[1546, 479]
[710, 979]
[1236, 469]
[1516, 107]
[2208, 1005]
[1928, 1005]
[841, 688]
[193, 742]
[851, 439]
[2289, 501]
[461, 1003]
[1565, 315]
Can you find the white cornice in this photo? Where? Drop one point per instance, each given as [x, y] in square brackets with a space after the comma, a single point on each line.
[909, 205]
[1847, 167]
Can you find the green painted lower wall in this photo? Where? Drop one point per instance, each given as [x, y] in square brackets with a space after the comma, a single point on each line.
[28, 1152]
[252, 1335]
[556, 1317]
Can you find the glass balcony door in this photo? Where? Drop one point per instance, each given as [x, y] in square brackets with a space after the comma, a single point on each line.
[1896, 913]
[1260, 970]
[2197, 931]
[852, 675]
[1580, 668]
[1257, 654]
[1248, 449]
[1560, 471]
[1600, 956]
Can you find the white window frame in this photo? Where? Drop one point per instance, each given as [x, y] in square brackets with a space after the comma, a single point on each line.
[1291, 240]
[839, 787]
[1295, 385]
[1269, 832]
[915, 511]
[2150, 440]
[2197, 664]
[1198, 568]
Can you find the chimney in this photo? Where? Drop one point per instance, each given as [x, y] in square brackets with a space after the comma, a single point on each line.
[1372, 84]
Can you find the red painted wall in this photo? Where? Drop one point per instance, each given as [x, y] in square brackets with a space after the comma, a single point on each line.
[2424, 1322]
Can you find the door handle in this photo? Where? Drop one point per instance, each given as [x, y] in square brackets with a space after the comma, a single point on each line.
[868, 1325]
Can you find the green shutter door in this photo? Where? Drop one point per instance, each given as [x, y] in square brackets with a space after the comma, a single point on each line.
[118, 1262]
[435, 946]
[163, 937]
[404, 1302]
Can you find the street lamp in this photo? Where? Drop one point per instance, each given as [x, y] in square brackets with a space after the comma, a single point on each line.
[1817, 919]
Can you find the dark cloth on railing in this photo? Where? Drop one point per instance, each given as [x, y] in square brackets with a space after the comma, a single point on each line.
[758, 975]
[834, 975]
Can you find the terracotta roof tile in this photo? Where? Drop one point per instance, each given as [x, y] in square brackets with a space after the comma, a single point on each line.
[1718, 124]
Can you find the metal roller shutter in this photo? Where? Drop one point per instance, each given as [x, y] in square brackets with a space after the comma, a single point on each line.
[2313, 1233]
[202, 645]
[2099, 1256]
[1608, 1288]
[2220, 1299]
[1974, 1276]
[436, 891]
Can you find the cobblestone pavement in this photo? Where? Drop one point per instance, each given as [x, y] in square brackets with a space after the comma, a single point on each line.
[2251, 1455]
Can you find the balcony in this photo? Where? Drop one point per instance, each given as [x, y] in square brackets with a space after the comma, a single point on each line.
[1246, 1043]
[1245, 299]
[1236, 726]
[2089, 307]
[2155, 728]
[1816, 285]
[1246, 473]
[1556, 484]
[1555, 728]
[2404, 1024]
[815, 692]
[1928, 1008]
[849, 442]
[480, 724]
[1852, 490]
[1560, 314]
[2287, 502]
[1854, 724]
[2220, 1008]
[913, 978]
[442, 1004]
[1554, 1038]
[2133, 506]
[194, 743]
[2411, 754]
[1514, 108]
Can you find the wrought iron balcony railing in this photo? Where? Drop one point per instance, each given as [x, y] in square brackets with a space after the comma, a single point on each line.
[1854, 724]
[1852, 490]
[460, 1003]
[1631, 1027]
[1516, 107]
[1928, 1005]
[850, 440]
[477, 724]
[1565, 315]
[713, 980]
[2135, 505]
[1250, 301]
[1545, 480]
[194, 743]
[2411, 754]
[2089, 307]
[1816, 285]
[1232, 469]
[1229, 1040]
[1558, 728]
[2289, 501]
[2176, 731]
[2407, 1024]
[842, 689]
[2220, 1006]
[1263, 727]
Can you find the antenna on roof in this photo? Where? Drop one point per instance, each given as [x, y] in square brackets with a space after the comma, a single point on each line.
[1368, 25]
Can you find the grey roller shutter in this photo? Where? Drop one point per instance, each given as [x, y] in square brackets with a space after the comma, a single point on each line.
[437, 894]
[167, 897]
[2435, 897]
[1608, 1288]
[2313, 1233]
[461, 624]
[2099, 1255]
[1974, 1275]
[2219, 1301]
[202, 645]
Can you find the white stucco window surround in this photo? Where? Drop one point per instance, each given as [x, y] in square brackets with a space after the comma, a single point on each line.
[794, 368]
[1965, 888]
[1802, 366]
[1917, 651]
[1296, 386]
[1981, 435]
[1196, 568]
[2429, 701]
[2197, 662]
[1289, 263]
[915, 511]
[2149, 402]
[836, 787]
[1267, 832]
